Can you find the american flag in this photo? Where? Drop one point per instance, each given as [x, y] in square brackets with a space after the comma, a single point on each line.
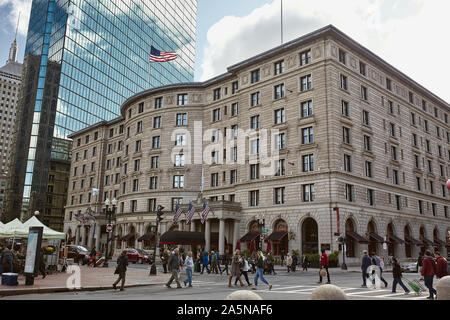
[205, 212]
[161, 56]
[190, 213]
[178, 213]
[90, 214]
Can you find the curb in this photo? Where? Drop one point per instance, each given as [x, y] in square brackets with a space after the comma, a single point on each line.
[8, 293]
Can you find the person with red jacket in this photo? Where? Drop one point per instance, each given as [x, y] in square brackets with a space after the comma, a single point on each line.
[441, 265]
[324, 265]
[428, 272]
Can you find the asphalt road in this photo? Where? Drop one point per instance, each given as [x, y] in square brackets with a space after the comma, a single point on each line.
[292, 286]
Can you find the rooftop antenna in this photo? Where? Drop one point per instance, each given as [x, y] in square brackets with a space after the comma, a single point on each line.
[17, 27]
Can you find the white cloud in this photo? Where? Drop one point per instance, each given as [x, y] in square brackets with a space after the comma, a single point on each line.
[22, 6]
[408, 34]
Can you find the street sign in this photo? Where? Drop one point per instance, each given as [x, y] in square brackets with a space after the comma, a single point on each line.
[265, 230]
[109, 228]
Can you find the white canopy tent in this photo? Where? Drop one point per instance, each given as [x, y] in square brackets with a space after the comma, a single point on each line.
[11, 229]
[16, 229]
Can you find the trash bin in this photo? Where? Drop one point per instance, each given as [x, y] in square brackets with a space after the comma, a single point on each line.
[10, 279]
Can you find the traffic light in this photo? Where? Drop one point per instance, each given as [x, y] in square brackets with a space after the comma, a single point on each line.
[159, 213]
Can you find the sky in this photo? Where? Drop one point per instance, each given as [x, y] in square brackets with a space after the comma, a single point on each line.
[411, 35]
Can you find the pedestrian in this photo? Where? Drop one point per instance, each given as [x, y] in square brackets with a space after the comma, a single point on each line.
[441, 265]
[259, 270]
[282, 257]
[366, 263]
[205, 262]
[213, 258]
[244, 270]
[236, 262]
[174, 267]
[397, 274]
[219, 260]
[252, 262]
[121, 270]
[294, 262]
[92, 255]
[165, 259]
[324, 265]
[7, 257]
[270, 264]
[189, 265]
[226, 262]
[419, 264]
[428, 272]
[42, 263]
[305, 263]
[288, 262]
[379, 263]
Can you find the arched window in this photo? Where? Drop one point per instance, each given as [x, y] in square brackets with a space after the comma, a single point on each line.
[310, 236]
[349, 241]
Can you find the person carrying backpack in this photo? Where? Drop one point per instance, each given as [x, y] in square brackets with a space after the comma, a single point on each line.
[441, 265]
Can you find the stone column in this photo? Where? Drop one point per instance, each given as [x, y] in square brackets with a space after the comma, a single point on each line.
[208, 235]
[192, 225]
[124, 233]
[77, 235]
[221, 237]
[98, 236]
[91, 237]
[136, 235]
[235, 234]
[83, 235]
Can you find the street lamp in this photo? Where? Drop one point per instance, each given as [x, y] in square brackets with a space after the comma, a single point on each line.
[344, 265]
[261, 224]
[109, 212]
[159, 217]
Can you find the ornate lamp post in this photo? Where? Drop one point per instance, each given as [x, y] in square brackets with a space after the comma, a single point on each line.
[155, 229]
[262, 224]
[109, 212]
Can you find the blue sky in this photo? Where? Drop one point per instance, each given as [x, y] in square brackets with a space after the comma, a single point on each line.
[405, 33]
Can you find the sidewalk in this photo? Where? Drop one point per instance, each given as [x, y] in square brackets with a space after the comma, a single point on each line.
[334, 270]
[90, 279]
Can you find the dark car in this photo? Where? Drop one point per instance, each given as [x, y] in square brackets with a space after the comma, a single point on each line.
[78, 254]
[137, 256]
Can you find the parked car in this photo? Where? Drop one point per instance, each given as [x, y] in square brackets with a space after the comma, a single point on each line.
[137, 256]
[409, 265]
[78, 254]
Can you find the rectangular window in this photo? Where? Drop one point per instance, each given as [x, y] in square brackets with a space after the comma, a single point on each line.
[367, 144]
[280, 168]
[137, 164]
[214, 179]
[395, 177]
[254, 198]
[411, 98]
[111, 132]
[344, 84]
[254, 171]
[279, 67]
[153, 183]
[307, 109]
[158, 103]
[390, 107]
[364, 94]
[157, 122]
[254, 147]
[254, 122]
[414, 140]
[135, 185]
[434, 209]
[393, 153]
[370, 197]
[308, 163]
[138, 146]
[278, 91]
[182, 99]
[347, 163]
[180, 140]
[420, 205]
[234, 109]
[181, 119]
[307, 135]
[176, 202]
[280, 141]
[366, 118]
[368, 169]
[346, 135]
[233, 176]
[216, 115]
[362, 68]
[306, 83]
[413, 118]
[392, 129]
[141, 107]
[151, 205]
[178, 182]
[342, 56]
[255, 76]
[350, 192]
[255, 99]
[234, 87]
[389, 84]
[345, 110]
[308, 192]
[156, 142]
[279, 195]
[305, 57]
[398, 202]
[179, 160]
[279, 116]
[216, 94]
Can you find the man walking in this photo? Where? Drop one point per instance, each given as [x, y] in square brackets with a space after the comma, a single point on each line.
[428, 272]
[121, 270]
[165, 259]
[7, 257]
[441, 265]
[294, 262]
[377, 261]
[397, 274]
[213, 257]
[305, 263]
[366, 263]
[205, 262]
[174, 266]
[219, 260]
[189, 265]
[324, 265]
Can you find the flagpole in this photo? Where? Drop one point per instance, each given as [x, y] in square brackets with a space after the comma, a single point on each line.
[281, 21]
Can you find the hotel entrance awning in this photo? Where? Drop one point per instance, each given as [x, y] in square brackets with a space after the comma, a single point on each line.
[356, 237]
[395, 239]
[413, 241]
[250, 236]
[376, 237]
[146, 237]
[183, 238]
[277, 236]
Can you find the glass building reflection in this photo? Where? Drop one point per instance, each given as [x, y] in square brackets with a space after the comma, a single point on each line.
[83, 59]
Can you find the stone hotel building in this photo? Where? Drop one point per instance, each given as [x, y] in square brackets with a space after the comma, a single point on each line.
[363, 153]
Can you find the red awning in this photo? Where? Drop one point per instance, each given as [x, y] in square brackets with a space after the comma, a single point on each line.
[395, 239]
[146, 237]
[182, 238]
[413, 241]
[277, 236]
[439, 243]
[127, 237]
[250, 236]
[376, 237]
[356, 237]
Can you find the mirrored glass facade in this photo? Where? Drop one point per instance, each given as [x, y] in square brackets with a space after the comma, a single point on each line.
[83, 59]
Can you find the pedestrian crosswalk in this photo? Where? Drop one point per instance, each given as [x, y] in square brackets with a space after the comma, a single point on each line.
[361, 293]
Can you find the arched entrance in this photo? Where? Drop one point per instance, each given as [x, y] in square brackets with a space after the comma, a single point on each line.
[407, 243]
[349, 241]
[391, 244]
[437, 244]
[310, 236]
[131, 238]
[422, 239]
[69, 236]
[255, 227]
[119, 238]
[373, 245]
[283, 245]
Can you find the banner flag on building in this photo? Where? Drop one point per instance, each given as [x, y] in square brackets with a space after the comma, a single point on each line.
[190, 213]
[161, 56]
[95, 191]
[178, 213]
[205, 212]
[90, 215]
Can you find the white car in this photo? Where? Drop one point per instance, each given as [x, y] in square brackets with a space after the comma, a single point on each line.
[409, 265]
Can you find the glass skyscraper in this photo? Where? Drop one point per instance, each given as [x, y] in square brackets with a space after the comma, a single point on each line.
[83, 59]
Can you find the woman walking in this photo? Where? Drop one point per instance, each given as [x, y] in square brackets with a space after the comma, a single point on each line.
[397, 273]
[259, 270]
[244, 270]
[235, 268]
[188, 264]
[288, 262]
